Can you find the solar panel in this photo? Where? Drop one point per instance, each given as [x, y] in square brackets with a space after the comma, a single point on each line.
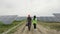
[20, 18]
[48, 19]
[57, 15]
[7, 19]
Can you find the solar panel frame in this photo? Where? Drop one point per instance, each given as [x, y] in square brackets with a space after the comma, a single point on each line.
[7, 19]
[48, 19]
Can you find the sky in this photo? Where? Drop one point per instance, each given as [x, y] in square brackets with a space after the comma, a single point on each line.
[32, 7]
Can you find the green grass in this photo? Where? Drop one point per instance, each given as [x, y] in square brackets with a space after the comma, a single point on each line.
[4, 27]
[51, 25]
[14, 30]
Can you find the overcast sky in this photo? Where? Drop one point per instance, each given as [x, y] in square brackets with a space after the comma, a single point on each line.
[32, 7]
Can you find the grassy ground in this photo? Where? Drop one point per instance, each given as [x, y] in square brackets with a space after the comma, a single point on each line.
[12, 31]
[4, 27]
[51, 25]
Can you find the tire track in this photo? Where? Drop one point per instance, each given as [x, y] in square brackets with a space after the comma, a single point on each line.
[32, 29]
[25, 30]
[35, 31]
[31, 32]
[41, 29]
[20, 29]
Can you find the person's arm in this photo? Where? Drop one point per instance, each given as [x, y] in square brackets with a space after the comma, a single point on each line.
[36, 20]
[27, 20]
[32, 20]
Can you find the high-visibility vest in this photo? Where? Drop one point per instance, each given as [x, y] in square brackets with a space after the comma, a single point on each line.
[34, 21]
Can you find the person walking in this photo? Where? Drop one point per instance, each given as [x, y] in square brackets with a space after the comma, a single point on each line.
[34, 21]
[29, 22]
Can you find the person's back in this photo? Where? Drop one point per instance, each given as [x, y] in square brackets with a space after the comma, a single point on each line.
[34, 21]
[29, 22]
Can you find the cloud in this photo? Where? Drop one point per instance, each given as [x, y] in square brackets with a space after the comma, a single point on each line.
[33, 7]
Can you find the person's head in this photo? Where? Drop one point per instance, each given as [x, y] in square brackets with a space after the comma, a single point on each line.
[28, 15]
[34, 17]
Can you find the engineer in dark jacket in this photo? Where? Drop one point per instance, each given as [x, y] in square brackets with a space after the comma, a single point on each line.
[29, 22]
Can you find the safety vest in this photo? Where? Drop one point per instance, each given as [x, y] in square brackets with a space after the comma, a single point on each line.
[34, 21]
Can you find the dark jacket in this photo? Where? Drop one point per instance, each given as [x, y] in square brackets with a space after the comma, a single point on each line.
[29, 20]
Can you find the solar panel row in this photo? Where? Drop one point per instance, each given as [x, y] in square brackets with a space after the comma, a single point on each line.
[55, 18]
[20, 18]
[49, 19]
[7, 19]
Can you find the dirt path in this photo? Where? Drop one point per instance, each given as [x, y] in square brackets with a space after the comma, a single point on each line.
[20, 29]
[47, 31]
[24, 30]
[40, 30]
